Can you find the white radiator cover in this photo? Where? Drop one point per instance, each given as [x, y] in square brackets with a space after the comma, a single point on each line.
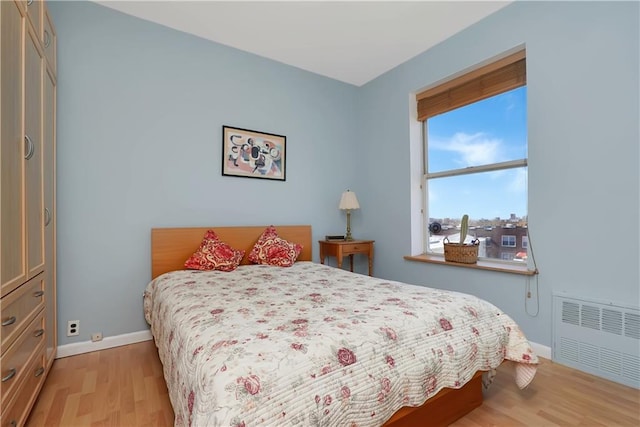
[598, 337]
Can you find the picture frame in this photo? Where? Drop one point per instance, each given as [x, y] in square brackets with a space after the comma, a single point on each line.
[253, 154]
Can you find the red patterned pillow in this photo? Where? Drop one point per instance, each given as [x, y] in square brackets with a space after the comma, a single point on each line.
[214, 254]
[272, 250]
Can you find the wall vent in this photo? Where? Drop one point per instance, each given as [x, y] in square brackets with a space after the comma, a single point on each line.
[598, 337]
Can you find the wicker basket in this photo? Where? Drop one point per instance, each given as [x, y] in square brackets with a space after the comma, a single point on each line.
[461, 252]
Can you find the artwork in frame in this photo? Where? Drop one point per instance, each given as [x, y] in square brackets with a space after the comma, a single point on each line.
[252, 154]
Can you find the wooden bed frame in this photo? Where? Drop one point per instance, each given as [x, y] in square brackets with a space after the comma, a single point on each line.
[170, 248]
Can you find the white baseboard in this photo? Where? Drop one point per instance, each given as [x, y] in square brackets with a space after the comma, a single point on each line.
[541, 350]
[108, 342]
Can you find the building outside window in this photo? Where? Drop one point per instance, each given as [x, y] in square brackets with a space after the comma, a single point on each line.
[506, 256]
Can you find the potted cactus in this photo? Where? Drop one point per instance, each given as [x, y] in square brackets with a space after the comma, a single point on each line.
[466, 253]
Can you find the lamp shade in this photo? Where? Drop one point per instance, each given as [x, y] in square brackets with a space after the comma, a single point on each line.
[349, 201]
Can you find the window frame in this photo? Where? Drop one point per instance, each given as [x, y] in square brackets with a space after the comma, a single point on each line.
[511, 237]
[462, 90]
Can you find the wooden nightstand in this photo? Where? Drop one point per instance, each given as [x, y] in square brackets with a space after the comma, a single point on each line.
[341, 248]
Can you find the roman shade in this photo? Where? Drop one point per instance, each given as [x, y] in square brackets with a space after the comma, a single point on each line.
[497, 77]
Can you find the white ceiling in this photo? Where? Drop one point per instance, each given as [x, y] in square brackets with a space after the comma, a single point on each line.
[350, 41]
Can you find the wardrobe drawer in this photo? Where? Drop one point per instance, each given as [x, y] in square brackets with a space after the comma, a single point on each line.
[18, 309]
[15, 361]
[16, 413]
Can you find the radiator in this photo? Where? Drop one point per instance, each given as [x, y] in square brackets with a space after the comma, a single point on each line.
[598, 337]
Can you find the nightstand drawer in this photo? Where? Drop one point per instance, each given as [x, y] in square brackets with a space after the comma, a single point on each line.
[355, 248]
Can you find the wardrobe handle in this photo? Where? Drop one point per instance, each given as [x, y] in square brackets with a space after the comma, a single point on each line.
[10, 321]
[30, 147]
[29, 2]
[47, 39]
[38, 333]
[47, 216]
[38, 294]
[39, 371]
[11, 374]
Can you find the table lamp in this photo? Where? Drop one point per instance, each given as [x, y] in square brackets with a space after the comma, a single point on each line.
[348, 201]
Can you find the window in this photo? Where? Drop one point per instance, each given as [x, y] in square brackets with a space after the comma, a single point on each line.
[506, 256]
[475, 157]
[525, 242]
[509, 241]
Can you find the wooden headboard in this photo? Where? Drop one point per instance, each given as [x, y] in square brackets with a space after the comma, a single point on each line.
[170, 247]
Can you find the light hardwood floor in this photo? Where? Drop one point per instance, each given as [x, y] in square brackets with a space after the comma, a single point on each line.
[121, 386]
[124, 386]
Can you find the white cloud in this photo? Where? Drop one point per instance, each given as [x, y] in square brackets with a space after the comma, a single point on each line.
[473, 150]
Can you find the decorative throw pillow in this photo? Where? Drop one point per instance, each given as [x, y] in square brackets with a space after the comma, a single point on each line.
[214, 254]
[273, 250]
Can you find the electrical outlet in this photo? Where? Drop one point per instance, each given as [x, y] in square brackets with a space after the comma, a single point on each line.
[73, 328]
[97, 336]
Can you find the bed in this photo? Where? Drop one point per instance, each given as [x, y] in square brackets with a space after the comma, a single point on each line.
[315, 345]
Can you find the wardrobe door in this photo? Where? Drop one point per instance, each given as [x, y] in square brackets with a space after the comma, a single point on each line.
[13, 148]
[34, 14]
[33, 136]
[49, 40]
[49, 141]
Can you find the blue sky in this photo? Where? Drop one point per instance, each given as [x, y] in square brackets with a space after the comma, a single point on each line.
[490, 131]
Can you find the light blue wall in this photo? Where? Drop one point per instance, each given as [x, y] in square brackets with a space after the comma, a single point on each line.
[140, 111]
[140, 115]
[583, 115]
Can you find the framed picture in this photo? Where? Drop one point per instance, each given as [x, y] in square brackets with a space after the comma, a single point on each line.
[252, 154]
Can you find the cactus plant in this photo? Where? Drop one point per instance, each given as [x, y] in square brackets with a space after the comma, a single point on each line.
[464, 227]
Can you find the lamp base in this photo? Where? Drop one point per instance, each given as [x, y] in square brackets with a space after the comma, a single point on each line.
[348, 237]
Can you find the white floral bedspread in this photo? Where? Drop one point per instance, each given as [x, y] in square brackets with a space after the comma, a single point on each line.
[313, 345]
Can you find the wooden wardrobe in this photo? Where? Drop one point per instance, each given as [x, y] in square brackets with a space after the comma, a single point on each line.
[27, 202]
